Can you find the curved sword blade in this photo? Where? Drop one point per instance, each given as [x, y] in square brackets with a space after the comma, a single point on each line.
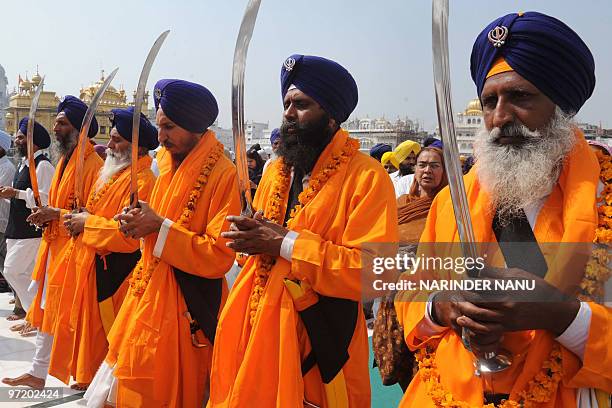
[30, 142]
[83, 139]
[142, 84]
[240, 53]
[446, 124]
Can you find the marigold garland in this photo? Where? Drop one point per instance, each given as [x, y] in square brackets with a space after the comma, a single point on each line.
[97, 194]
[543, 386]
[140, 277]
[280, 190]
[539, 390]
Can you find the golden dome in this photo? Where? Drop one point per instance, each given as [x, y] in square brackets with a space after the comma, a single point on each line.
[36, 79]
[25, 85]
[474, 108]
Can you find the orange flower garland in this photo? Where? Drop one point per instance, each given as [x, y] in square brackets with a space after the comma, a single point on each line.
[597, 271]
[140, 277]
[539, 390]
[273, 213]
[96, 194]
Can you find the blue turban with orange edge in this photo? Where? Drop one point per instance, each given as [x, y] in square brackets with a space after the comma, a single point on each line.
[541, 49]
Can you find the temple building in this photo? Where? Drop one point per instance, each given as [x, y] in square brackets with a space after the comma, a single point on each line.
[21, 99]
[467, 124]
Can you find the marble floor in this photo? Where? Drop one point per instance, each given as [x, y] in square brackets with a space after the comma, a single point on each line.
[16, 358]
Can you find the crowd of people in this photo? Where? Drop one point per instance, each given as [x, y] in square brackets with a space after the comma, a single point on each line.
[131, 303]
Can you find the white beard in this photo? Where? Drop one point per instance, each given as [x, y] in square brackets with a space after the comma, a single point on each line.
[114, 162]
[519, 176]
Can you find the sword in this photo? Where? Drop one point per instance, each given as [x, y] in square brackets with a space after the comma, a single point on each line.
[492, 362]
[30, 143]
[79, 200]
[240, 54]
[142, 83]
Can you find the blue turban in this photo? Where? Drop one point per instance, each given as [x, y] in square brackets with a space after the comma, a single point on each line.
[191, 106]
[75, 110]
[274, 135]
[379, 149]
[41, 137]
[325, 81]
[541, 49]
[147, 134]
[437, 143]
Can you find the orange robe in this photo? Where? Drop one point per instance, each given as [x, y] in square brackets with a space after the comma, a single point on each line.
[150, 343]
[261, 366]
[79, 342]
[50, 268]
[569, 215]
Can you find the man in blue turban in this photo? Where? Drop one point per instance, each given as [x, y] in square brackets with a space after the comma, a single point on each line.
[379, 149]
[535, 181]
[49, 268]
[275, 142]
[297, 294]
[101, 254]
[181, 225]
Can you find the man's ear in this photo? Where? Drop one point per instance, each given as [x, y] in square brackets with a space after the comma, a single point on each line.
[333, 125]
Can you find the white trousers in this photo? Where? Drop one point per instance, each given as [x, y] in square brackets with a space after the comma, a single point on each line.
[42, 355]
[103, 389]
[18, 267]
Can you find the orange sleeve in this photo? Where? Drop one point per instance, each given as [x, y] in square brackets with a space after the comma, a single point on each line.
[334, 269]
[206, 254]
[103, 233]
[596, 368]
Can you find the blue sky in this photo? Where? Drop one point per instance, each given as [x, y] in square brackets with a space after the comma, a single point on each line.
[385, 44]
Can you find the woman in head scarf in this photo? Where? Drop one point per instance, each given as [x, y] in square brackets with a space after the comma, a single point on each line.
[429, 179]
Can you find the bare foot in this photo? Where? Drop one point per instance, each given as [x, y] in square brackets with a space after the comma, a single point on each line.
[12, 301]
[27, 380]
[13, 317]
[79, 386]
[18, 327]
[27, 330]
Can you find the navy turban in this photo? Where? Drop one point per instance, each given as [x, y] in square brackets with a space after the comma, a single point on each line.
[379, 149]
[147, 134]
[325, 81]
[541, 49]
[41, 136]
[274, 135]
[75, 110]
[191, 106]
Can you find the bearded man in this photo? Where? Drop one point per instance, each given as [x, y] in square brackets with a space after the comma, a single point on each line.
[404, 159]
[101, 257]
[22, 238]
[535, 181]
[50, 267]
[160, 345]
[319, 205]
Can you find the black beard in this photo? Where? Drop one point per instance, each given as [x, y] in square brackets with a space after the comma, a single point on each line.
[406, 169]
[302, 148]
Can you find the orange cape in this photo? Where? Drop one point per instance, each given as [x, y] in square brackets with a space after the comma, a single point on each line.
[568, 215]
[150, 342]
[50, 267]
[80, 344]
[262, 365]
